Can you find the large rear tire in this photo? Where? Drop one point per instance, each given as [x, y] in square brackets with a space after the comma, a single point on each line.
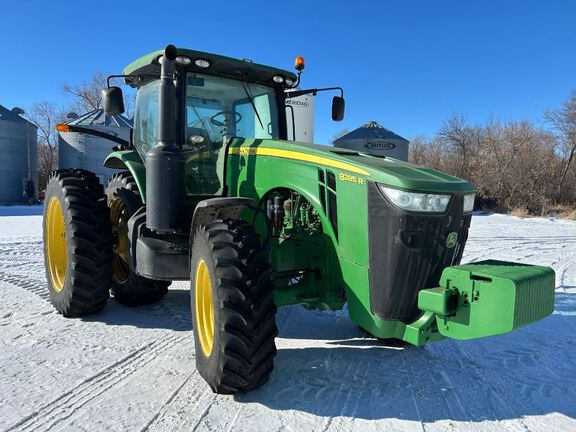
[233, 309]
[128, 288]
[77, 243]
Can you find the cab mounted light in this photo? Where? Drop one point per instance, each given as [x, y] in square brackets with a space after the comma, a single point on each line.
[202, 63]
[183, 60]
[278, 79]
[62, 127]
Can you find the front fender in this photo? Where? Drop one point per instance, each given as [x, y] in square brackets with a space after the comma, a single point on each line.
[130, 160]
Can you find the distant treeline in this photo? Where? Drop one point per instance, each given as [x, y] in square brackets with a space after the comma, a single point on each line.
[515, 165]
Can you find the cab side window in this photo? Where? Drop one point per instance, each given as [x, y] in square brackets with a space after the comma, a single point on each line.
[146, 117]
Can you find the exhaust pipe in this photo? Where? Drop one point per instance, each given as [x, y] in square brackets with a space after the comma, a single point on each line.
[165, 191]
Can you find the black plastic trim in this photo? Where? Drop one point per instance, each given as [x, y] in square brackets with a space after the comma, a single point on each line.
[408, 252]
[331, 180]
[333, 211]
[322, 193]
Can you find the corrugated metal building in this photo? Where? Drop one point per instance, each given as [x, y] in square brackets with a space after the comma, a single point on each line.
[19, 161]
[78, 150]
[372, 138]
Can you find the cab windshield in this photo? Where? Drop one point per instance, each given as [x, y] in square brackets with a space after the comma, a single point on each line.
[218, 109]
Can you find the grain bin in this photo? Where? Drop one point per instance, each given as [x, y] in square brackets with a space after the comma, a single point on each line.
[78, 150]
[19, 161]
[374, 139]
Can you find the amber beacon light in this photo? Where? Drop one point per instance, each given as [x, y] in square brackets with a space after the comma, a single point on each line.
[299, 63]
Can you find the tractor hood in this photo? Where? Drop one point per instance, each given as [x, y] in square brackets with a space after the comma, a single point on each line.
[382, 170]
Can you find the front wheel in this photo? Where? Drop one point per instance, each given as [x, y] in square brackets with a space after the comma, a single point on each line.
[233, 310]
[77, 243]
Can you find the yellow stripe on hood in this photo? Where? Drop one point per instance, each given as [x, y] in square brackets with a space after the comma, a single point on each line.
[294, 155]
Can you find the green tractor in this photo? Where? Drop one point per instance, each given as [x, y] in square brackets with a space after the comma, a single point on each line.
[210, 190]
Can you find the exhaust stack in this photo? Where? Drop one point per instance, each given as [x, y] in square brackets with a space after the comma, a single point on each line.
[165, 161]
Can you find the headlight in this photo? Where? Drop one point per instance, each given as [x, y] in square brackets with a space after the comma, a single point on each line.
[415, 201]
[469, 203]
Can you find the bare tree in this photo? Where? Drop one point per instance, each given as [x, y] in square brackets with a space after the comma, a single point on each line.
[87, 95]
[564, 121]
[129, 103]
[513, 164]
[45, 116]
[462, 140]
[339, 135]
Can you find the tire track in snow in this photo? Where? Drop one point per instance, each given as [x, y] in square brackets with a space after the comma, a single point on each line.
[477, 406]
[169, 309]
[176, 411]
[494, 387]
[227, 417]
[565, 271]
[18, 250]
[27, 283]
[68, 403]
[164, 408]
[180, 400]
[345, 420]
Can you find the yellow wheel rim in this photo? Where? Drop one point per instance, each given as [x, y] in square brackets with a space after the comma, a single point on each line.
[56, 244]
[119, 217]
[204, 307]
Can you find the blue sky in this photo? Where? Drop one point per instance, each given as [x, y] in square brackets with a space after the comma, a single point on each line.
[406, 64]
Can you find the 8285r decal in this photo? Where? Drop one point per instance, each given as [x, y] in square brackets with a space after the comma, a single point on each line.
[350, 178]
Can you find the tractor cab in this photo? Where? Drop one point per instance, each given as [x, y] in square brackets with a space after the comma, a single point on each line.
[217, 99]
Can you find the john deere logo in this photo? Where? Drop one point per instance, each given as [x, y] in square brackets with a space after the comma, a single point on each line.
[451, 240]
[380, 145]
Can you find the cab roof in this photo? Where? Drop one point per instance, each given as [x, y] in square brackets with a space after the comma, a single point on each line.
[219, 65]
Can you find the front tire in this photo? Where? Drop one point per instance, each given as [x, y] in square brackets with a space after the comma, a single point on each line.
[233, 309]
[77, 243]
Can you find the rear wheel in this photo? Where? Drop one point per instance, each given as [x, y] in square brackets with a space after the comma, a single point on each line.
[127, 287]
[233, 308]
[77, 243]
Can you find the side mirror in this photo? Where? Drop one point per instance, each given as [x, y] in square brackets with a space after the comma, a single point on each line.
[113, 101]
[338, 106]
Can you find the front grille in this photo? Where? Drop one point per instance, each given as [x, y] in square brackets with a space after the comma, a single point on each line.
[408, 252]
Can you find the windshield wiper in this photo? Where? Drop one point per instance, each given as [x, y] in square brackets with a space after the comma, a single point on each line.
[253, 105]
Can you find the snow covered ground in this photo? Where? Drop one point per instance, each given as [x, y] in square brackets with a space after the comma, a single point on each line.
[133, 369]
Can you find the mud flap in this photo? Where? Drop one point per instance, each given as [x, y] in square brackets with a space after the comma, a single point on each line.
[489, 298]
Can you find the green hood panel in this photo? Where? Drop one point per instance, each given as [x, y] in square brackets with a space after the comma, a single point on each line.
[387, 171]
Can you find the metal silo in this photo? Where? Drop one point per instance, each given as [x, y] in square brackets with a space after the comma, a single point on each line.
[19, 161]
[78, 150]
[372, 138]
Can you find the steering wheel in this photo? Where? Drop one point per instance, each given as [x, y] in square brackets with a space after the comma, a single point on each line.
[225, 121]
